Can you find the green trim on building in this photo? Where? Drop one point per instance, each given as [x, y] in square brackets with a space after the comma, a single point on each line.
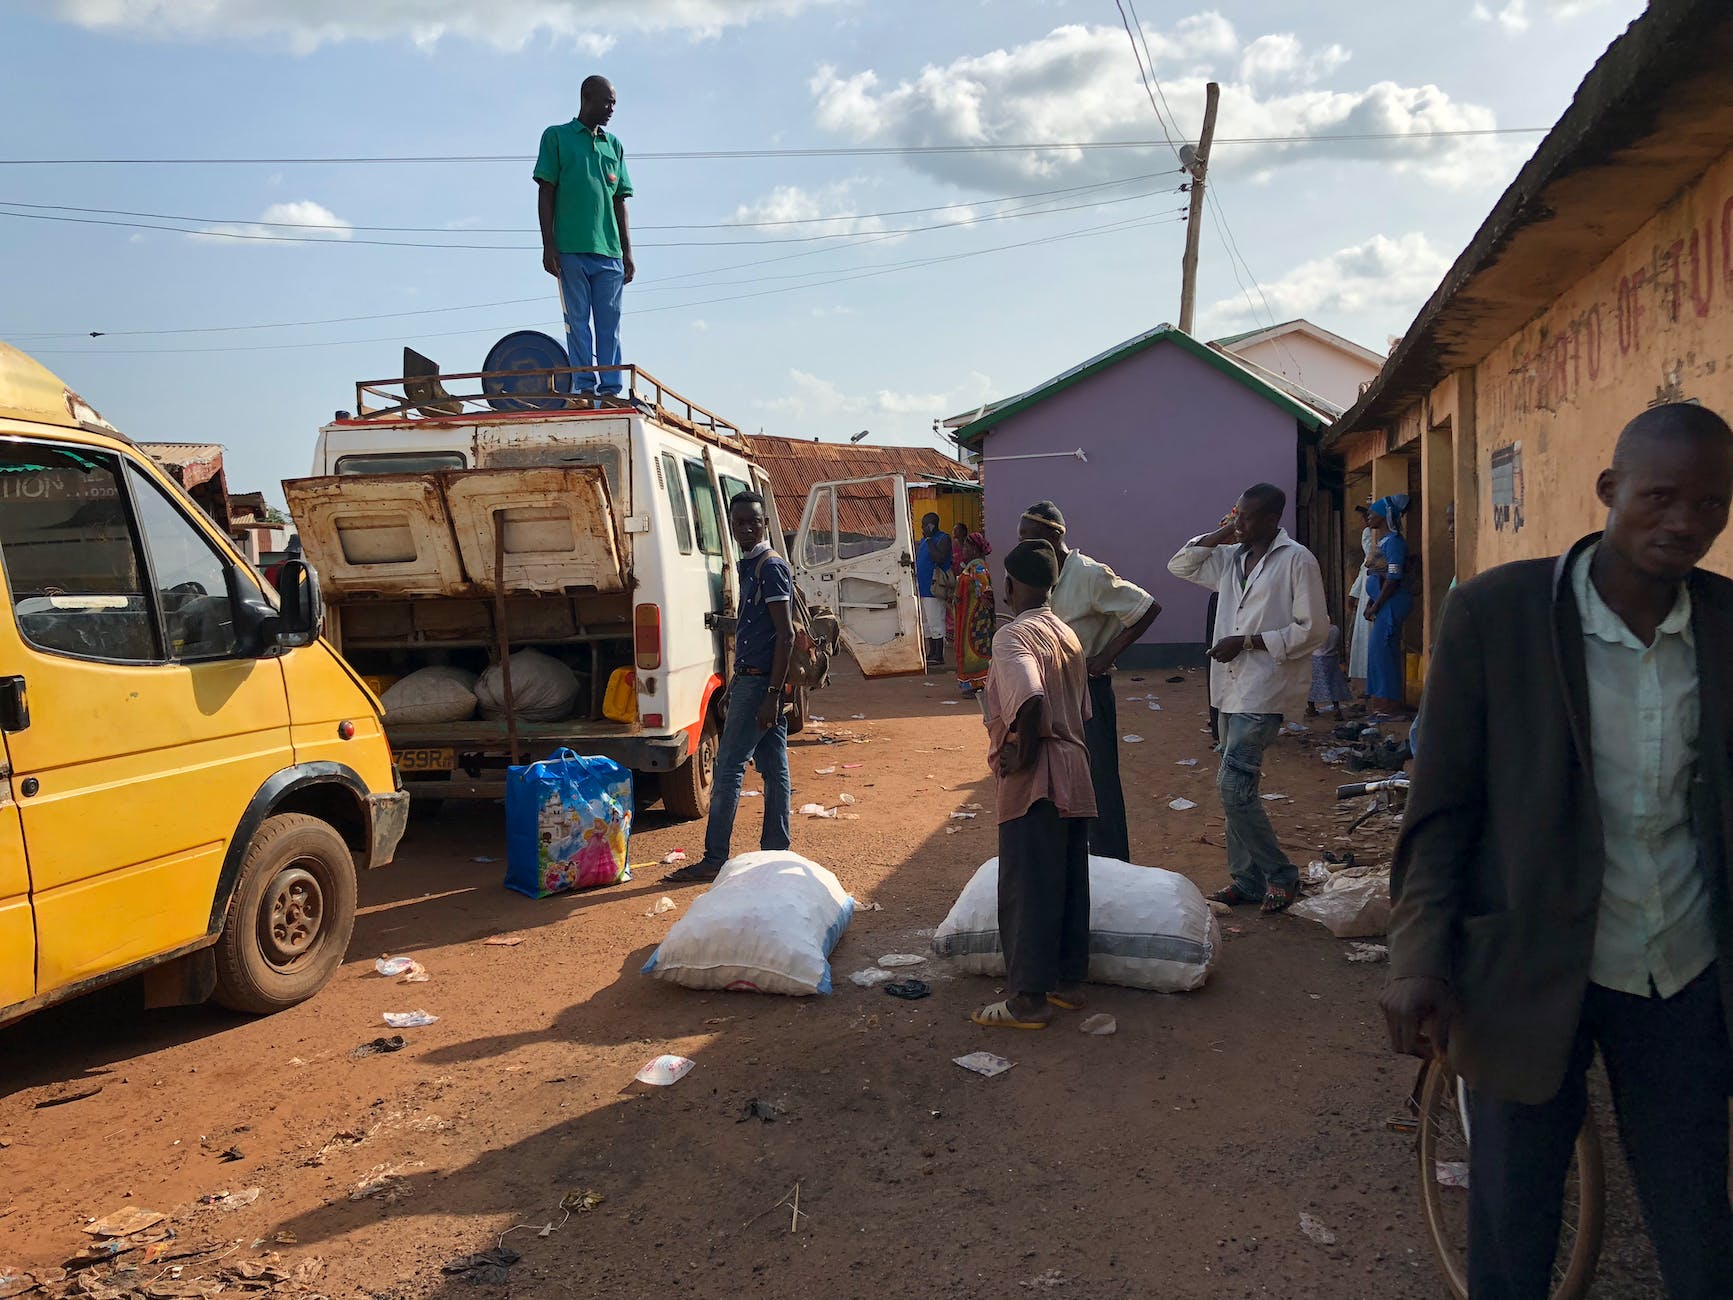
[999, 412]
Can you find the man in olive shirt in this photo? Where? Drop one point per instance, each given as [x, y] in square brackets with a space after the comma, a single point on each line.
[582, 187]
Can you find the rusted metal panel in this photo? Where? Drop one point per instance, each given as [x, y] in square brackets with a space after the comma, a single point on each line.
[383, 534]
[559, 528]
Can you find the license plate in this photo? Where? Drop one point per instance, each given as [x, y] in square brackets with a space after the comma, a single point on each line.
[424, 760]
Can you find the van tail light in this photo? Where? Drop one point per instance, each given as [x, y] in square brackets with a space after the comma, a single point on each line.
[653, 720]
[647, 636]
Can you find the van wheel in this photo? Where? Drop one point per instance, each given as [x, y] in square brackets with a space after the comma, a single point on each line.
[290, 919]
[686, 790]
[797, 712]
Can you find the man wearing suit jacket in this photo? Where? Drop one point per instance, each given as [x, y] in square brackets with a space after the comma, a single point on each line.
[1562, 883]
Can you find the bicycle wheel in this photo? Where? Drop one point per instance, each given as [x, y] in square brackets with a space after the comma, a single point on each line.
[1443, 1151]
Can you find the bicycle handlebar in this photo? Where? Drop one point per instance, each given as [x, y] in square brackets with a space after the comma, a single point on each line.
[1396, 782]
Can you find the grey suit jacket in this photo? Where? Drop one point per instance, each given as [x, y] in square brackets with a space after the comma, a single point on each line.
[1497, 876]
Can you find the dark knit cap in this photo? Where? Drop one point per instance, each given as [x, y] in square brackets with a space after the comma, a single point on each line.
[1034, 564]
[1045, 512]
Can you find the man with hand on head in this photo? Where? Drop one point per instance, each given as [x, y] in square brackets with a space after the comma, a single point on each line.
[1037, 700]
[1561, 882]
[581, 192]
[1109, 615]
[756, 727]
[1270, 617]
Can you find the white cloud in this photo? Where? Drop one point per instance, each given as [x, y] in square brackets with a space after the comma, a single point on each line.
[701, 325]
[300, 220]
[819, 405]
[1080, 84]
[1513, 15]
[1383, 276]
[590, 26]
[813, 208]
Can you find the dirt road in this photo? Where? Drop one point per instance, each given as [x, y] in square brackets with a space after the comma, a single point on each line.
[1173, 1159]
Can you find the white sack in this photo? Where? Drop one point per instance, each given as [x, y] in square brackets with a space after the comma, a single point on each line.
[1352, 908]
[1148, 928]
[542, 688]
[767, 925]
[431, 695]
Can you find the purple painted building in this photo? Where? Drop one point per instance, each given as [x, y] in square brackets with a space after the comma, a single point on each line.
[1172, 431]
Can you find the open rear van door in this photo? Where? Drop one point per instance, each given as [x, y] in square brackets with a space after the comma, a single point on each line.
[854, 553]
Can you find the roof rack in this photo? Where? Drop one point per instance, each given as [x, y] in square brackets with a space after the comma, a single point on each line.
[431, 397]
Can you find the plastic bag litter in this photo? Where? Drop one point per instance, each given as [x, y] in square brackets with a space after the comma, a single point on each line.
[429, 695]
[1369, 954]
[846, 797]
[410, 1019]
[1350, 907]
[892, 960]
[542, 688]
[1315, 1231]
[663, 904]
[1181, 805]
[1100, 1025]
[664, 1070]
[817, 810]
[1186, 762]
[1450, 1173]
[985, 1064]
[1132, 739]
[767, 925]
[1316, 874]
[412, 971]
[872, 977]
[1148, 928]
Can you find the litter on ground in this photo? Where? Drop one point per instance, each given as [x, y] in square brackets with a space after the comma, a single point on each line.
[985, 1064]
[1100, 1025]
[664, 1070]
[1181, 805]
[410, 1019]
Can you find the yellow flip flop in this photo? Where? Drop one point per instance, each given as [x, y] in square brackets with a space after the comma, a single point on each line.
[1000, 1016]
[1064, 1004]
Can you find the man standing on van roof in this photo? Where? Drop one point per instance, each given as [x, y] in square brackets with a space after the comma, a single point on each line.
[756, 727]
[1108, 614]
[582, 186]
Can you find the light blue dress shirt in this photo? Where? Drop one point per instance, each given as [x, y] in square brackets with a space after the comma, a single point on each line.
[1655, 933]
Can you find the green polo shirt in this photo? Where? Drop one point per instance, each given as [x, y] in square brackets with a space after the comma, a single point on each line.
[588, 172]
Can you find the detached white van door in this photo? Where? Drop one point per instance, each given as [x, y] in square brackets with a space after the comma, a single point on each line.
[854, 553]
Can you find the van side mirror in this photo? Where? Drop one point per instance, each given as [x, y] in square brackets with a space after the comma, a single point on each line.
[301, 611]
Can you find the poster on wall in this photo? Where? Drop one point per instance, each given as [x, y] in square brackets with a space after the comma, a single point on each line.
[1507, 495]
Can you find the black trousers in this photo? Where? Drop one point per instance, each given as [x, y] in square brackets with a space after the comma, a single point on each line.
[1044, 899]
[1668, 1061]
[1108, 837]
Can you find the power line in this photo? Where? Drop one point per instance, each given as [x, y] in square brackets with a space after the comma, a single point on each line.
[1108, 228]
[530, 230]
[1146, 76]
[216, 231]
[865, 151]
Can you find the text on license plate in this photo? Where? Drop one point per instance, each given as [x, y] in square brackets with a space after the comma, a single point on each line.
[424, 760]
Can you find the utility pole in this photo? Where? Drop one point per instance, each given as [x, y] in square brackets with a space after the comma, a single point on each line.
[1199, 167]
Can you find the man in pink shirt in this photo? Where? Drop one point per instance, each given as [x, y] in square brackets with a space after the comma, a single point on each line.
[1037, 701]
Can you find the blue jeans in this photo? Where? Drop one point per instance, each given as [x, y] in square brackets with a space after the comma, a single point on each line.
[591, 285]
[742, 740]
[1255, 857]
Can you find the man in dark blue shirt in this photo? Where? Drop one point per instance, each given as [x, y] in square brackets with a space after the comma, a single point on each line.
[755, 727]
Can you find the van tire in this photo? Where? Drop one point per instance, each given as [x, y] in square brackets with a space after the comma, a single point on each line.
[686, 790]
[291, 916]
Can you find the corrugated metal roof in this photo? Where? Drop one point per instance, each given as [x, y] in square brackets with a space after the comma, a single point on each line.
[187, 463]
[795, 465]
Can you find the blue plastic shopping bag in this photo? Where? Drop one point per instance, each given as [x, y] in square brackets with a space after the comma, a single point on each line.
[568, 823]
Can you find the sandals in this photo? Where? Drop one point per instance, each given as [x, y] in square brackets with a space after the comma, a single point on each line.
[693, 873]
[1066, 1004]
[1000, 1016]
[1233, 896]
[1276, 900]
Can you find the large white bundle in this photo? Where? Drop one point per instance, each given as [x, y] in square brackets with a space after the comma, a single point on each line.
[767, 925]
[1148, 928]
[431, 695]
[542, 688]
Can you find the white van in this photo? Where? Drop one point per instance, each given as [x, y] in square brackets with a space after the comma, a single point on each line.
[455, 530]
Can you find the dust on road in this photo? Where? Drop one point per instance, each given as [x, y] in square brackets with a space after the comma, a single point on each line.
[1173, 1158]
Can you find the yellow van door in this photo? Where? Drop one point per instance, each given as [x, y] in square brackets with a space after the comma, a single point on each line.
[17, 926]
[149, 732]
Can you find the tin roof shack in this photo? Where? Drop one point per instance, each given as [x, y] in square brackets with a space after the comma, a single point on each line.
[1145, 445]
[936, 483]
[197, 467]
[1601, 283]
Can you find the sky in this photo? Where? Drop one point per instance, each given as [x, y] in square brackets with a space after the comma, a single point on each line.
[880, 261]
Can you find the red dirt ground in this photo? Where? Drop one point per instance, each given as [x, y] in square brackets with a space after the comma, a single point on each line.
[1173, 1159]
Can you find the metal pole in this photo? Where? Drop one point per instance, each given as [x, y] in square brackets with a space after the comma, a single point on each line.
[502, 634]
[1194, 223]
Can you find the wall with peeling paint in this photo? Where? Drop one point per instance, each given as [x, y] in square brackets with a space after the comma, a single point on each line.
[1653, 322]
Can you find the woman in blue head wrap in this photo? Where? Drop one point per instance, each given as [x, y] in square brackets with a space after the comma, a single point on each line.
[1387, 604]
